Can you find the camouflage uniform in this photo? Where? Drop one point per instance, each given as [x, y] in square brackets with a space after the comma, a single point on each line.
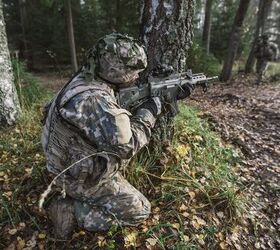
[85, 119]
[265, 51]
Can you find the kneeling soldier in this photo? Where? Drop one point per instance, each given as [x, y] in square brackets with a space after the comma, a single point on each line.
[86, 127]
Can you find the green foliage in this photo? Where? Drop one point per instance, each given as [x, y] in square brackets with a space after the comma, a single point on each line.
[222, 20]
[223, 14]
[198, 61]
[28, 89]
[273, 71]
[46, 27]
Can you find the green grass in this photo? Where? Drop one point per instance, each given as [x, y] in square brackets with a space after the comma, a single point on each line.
[273, 71]
[191, 184]
[28, 89]
[196, 159]
[196, 180]
[199, 61]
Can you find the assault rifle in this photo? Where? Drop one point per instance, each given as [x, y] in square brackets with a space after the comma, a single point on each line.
[166, 88]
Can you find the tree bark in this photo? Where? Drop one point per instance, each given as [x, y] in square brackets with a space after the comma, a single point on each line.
[266, 11]
[234, 39]
[9, 104]
[263, 12]
[23, 21]
[118, 15]
[207, 26]
[251, 58]
[166, 31]
[71, 36]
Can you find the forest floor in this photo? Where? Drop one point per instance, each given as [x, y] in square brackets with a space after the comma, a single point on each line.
[195, 199]
[248, 117]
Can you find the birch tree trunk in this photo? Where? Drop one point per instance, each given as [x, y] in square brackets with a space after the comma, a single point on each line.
[71, 36]
[234, 39]
[207, 26]
[9, 104]
[166, 31]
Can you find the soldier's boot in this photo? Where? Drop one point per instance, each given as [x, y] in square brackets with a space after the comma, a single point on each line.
[61, 213]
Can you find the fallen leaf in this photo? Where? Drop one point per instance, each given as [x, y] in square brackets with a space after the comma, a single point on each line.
[186, 238]
[223, 245]
[130, 239]
[8, 194]
[101, 241]
[191, 194]
[220, 215]
[198, 222]
[185, 214]
[82, 233]
[13, 231]
[156, 210]
[152, 241]
[41, 236]
[182, 150]
[183, 207]
[176, 226]
[198, 138]
[20, 244]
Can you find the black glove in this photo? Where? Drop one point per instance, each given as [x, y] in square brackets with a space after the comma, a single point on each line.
[185, 91]
[153, 105]
[163, 70]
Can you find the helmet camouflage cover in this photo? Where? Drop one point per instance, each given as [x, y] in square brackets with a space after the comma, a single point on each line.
[118, 58]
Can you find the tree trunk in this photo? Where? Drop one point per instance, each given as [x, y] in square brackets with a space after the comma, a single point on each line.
[234, 39]
[207, 26]
[263, 12]
[9, 104]
[71, 35]
[251, 58]
[23, 21]
[118, 15]
[166, 31]
[266, 11]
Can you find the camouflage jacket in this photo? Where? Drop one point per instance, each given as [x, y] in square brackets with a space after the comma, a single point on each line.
[83, 119]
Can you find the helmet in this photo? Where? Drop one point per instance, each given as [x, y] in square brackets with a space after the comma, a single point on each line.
[118, 58]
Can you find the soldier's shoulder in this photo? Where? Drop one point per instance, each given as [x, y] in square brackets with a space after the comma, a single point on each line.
[91, 97]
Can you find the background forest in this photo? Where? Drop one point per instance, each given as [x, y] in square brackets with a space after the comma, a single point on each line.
[215, 186]
[38, 29]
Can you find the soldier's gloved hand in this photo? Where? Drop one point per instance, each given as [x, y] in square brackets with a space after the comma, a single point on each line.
[153, 105]
[185, 91]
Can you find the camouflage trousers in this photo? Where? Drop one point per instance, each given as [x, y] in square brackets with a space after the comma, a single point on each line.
[114, 202]
[261, 67]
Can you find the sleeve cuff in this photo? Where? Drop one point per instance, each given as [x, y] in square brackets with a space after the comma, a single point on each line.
[147, 116]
